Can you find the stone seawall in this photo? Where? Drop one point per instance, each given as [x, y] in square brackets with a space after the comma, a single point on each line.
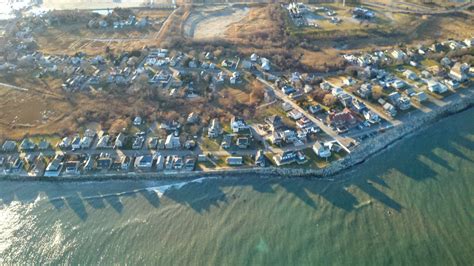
[358, 156]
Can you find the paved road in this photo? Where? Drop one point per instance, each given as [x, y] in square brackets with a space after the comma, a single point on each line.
[320, 124]
[13, 87]
[416, 9]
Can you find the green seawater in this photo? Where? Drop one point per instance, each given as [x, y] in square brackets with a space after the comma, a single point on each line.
[412, 204]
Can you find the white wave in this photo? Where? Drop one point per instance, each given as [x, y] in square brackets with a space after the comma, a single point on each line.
[160, 190]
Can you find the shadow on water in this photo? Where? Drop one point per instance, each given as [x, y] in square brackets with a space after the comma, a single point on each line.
[420, 158]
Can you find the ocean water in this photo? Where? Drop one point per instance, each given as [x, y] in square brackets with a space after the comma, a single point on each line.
[413, 205]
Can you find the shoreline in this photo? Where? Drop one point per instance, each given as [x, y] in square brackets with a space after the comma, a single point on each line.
[358, 157]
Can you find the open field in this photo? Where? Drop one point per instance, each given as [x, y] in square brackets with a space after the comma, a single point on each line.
[102, 4]
[70, 38]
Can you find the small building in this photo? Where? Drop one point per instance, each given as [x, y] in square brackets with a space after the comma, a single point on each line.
[243, 142]
[27, 145]
[226, 141]
[235, 160]
[103, 142]
[410, 74]
[137, 121]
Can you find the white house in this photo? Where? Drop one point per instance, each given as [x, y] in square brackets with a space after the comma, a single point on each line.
[172, 142]
[398, 54]
[321, 150]
[238, 124]
[265, 64]
[436, 87]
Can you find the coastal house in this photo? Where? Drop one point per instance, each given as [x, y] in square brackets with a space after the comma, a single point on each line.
[344, 118]
[235, 161]
[143, 162]
[189, 164]
[301, 157]
[458, 72]
[321, 150]
[177, 162]
[371, 117]
[260, 159]
[160, 162]
[119, 141]
[54, 167]
[72, 167]
[436, 87]
[389, 109]
[287, 157]
[420, 96]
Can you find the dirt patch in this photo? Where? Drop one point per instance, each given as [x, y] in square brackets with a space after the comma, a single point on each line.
[208, 24]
